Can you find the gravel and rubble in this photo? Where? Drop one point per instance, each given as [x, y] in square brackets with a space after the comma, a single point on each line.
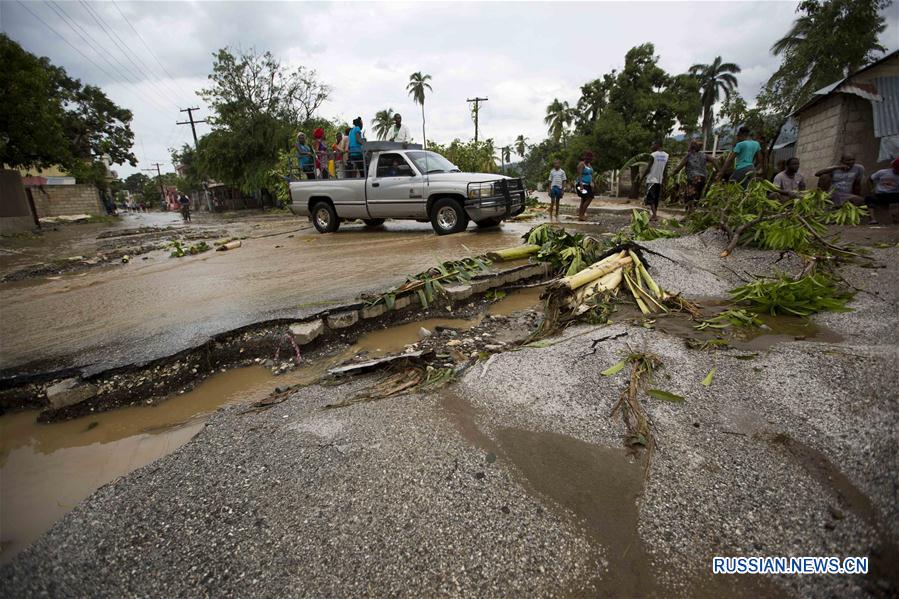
[790, 453]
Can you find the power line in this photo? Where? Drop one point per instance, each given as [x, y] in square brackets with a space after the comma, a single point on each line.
[105, 29]
[144, 42]
[72, 24]
[126, 50]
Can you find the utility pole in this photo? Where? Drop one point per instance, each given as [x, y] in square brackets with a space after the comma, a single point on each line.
[158, 178]
[193, 128]
[477, 108]
[190, 121]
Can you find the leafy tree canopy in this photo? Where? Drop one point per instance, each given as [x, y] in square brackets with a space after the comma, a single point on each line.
[48, 118]
[828, 40]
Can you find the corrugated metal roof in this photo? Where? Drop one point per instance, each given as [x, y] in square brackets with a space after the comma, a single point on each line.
[825, 91]
[886, 113]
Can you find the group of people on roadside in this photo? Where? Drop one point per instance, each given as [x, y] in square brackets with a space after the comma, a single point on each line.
[844, 181]
[342, 158]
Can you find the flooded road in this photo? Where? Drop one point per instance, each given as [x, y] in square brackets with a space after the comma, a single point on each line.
[47, 469]
[133, 312]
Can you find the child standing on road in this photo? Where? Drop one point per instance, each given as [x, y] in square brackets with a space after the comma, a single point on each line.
[557, 180]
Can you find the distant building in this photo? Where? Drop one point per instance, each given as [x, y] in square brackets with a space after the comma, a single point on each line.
[857, 115]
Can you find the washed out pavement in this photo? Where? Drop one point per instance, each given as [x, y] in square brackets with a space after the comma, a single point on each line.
[468, 491]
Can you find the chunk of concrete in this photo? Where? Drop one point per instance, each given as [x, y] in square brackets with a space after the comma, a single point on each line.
[457, 293]
[69, 392]
[403, 302]
[342, 320]
[374, 311]
[481, 285]
[306, 332]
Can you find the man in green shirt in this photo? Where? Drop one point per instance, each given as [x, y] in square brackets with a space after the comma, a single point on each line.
[743, 158]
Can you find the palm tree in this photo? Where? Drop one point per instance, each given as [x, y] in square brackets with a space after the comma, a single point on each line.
[418, 83]
[382, 123]
[714, 79]
[559, 117]
[521, 145]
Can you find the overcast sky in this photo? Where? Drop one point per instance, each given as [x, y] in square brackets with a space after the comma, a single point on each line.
[520, 55]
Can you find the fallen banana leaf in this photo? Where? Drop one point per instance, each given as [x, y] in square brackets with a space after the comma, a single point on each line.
[614, 369]
[664, 395]
[708, 378]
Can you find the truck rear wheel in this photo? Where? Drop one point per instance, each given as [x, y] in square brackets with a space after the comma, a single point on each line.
[324, 217]
[373, 222]
[488, 222]
[447, 216]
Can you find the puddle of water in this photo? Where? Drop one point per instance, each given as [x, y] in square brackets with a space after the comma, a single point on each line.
[884, 559]
[47, 469]
[395, 339]
[517, 301]
[600, 485]
[780, 328]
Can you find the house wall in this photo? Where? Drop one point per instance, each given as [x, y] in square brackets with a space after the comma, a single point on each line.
[820, 136]
[858, 133]
[15, 213]
[59, 200]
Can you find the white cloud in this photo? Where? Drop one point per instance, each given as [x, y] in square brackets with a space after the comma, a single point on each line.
[520, 55]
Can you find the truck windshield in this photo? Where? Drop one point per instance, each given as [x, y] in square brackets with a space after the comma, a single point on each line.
[429, 162]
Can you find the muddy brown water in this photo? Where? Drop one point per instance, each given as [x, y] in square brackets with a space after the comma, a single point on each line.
[47, 469]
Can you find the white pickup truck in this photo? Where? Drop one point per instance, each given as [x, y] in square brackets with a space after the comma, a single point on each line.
[408, 183]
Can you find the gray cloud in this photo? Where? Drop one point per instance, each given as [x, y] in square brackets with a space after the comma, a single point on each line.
[520, 55]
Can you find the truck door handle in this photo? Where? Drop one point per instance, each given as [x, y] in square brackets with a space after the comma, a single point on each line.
[376, 185]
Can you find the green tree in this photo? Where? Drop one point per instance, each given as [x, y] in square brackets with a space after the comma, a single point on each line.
[418, 84]
[136, 182]
[559, 117]
[470, 156]
[185, 159]
[257, 105]
[521, 145]
[594, 98]
[382, 122]
[829, 40]
[47, 118]
[715, 79]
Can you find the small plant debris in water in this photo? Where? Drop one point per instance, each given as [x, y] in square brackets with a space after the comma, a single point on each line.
[798, 297]
[734, 317]
[179, 251]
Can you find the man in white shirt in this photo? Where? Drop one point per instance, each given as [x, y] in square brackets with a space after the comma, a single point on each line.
[557, 180]
[655, 177]
[399, 132]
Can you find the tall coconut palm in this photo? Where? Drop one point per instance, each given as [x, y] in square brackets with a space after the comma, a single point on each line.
[382, 123]
[714, 79]
[559, 117]
[418, 83]
[521, 145]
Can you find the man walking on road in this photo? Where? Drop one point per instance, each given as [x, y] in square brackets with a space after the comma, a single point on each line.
[655, 177]
[557, 180]
[743, 157]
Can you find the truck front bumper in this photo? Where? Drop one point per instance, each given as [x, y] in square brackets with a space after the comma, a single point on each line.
[499, 207]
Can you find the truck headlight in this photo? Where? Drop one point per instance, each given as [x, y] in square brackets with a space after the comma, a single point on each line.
[485, 190]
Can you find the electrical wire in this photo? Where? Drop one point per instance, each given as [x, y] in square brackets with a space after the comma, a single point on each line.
[144, 42]
[102, 53]
[127, 51]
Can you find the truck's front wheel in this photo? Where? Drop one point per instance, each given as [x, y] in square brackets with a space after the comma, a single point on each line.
[447, 216]
[324, 217]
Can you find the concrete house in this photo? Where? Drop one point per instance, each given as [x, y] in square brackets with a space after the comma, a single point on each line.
[857, 115]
